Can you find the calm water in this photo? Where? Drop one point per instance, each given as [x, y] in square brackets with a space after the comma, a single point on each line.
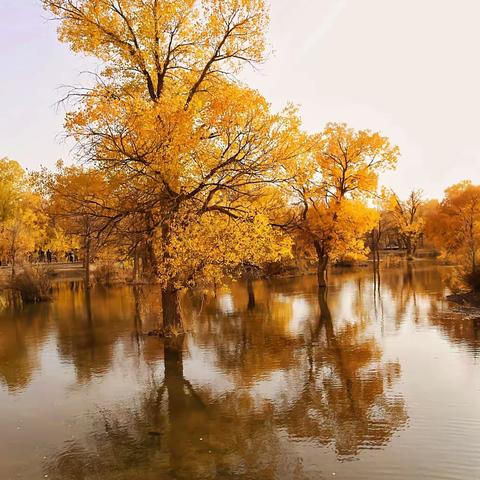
[370, 382]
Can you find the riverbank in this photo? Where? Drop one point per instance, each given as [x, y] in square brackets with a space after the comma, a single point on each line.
[468, 299]
[60, 270]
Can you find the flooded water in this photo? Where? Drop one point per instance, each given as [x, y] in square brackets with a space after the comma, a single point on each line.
[372, 380]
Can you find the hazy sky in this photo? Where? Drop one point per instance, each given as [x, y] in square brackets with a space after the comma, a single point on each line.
[409, 68]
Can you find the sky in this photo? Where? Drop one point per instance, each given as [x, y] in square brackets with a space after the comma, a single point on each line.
[407, 68]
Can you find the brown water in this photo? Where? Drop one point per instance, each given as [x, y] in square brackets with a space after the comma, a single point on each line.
[371, 382]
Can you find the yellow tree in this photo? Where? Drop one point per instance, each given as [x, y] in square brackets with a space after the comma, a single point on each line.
[21, 223]
[455, 227]
[12, 182]
[80, 203]
[332, 187]
[408, 218]
[168, 116]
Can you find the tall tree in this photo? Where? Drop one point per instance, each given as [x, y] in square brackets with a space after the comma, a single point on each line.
[332, 187]
[168, 115]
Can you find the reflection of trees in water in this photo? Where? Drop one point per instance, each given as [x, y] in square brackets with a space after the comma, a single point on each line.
[342, 389]
[462, 328]
[179, 431]
[341, 396]
[347, 398]
[22, 336]
[408, 293]
[89, 326]
[249, 343]
[335, 386]
[418, 292]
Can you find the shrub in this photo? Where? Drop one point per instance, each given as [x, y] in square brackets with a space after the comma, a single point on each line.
[462, 280]
[472, 279]
[107, 273]
[33, 284]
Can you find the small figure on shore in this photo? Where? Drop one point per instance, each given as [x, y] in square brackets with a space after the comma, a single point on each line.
[49, 256]
[41, 255]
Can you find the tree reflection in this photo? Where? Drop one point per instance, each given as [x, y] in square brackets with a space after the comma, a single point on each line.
[347, 398]
[180, 431]
[300, 366]
[340, 392]
[89, 325]
[22, 335]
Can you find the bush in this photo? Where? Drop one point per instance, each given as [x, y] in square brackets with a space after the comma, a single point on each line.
[33, 284]
[462, 280]
[472, 279]
[108, 274]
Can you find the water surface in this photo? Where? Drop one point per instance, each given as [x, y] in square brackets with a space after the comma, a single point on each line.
[371, 380]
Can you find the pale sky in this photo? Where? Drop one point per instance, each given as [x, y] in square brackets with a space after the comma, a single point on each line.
[407, 68]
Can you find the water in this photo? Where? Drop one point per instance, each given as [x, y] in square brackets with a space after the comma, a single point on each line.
[368, 382]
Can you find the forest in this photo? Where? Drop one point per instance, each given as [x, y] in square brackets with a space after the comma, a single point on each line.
[186, 177]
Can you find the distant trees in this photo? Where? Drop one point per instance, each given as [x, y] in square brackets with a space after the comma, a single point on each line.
[21, 222]
[407, 218]
[81, 203]
[454, 225]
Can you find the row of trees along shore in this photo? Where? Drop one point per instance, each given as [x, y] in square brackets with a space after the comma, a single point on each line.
[188, 174]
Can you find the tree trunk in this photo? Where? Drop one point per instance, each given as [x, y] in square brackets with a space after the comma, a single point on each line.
[251, 293]
[322, 270]
[87, 263]
[322, 264]
[14, 261]
[171, 313]
[409, 248]
[150, 265]
[135, 264]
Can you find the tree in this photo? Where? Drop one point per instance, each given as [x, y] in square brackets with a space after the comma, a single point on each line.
[22, 226]
[408, 219]
[455, 226]
[79, 200]
[331, 188]
[12, 182]
[167, 115]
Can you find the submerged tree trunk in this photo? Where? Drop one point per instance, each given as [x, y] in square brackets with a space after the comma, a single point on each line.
[251, 293]
[136, 259]
[325, 314]
[322, 271]
[322, 264]
[172, 315]
[86, 263]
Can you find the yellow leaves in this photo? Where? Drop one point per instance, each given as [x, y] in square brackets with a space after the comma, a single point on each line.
[351, 160]
[454, 224]
[343, 227]
[21, 223]
[164, 45]
[12, 183]
[212, 246]
[199, 152]
[332, 185]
